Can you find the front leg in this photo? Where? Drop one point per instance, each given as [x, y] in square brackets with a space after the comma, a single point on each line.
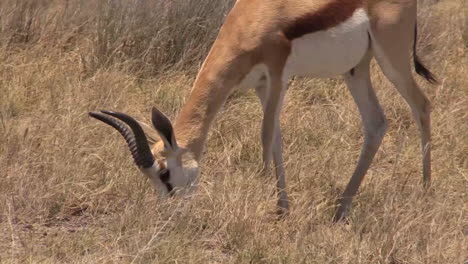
[272, 148]
[283, 202]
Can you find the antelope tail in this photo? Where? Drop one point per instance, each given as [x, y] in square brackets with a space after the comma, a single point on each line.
[418, 66]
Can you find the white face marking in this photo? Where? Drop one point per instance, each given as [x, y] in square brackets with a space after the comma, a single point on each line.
[183, 175]
[330, 52]
[153, 175]
[183, 179]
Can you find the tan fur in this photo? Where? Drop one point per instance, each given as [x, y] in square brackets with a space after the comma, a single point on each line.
[254, 32]
[253, 25]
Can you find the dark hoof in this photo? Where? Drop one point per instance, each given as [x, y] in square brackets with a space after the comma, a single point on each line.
[341, 215]
[282, 213]
[282, 209]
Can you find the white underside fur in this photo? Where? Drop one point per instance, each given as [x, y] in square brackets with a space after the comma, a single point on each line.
[322, 54]
[330, 52]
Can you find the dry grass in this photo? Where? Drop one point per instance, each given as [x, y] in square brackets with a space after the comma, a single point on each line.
[70, 193]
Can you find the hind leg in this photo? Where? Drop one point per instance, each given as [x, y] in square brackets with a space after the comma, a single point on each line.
[394, 59]
[374, 124]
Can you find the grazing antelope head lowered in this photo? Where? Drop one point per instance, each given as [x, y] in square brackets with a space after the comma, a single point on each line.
[261, 45]
[169, 167]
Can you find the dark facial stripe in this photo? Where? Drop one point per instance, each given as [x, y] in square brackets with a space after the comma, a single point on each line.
[165, 176]
[169, 188]
[332, 14]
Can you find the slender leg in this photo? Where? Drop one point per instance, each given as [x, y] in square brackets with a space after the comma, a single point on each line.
[395, 64]
[283, 202]
[274, 148]
[394, 58]
[420, 107]
[375, 125]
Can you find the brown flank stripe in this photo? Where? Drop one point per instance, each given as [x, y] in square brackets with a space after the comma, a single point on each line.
[332, 14]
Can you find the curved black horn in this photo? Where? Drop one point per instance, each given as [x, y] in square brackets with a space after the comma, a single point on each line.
[136, 141]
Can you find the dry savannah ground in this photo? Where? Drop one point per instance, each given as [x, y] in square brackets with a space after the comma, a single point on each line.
[69, 192]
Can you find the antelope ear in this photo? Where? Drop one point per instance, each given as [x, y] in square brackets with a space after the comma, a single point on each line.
[163, 126]
[151, 135]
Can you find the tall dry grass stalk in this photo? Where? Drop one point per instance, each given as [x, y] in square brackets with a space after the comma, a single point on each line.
[144, 35]
[70, 193]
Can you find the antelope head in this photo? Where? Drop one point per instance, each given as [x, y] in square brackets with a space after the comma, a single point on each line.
[170, 168]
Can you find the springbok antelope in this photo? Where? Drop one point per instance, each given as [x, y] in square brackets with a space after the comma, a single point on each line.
[261, 45]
